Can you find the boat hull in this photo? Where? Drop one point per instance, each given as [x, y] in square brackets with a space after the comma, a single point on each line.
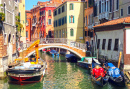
[84, 65]
[101, 81]
[25, 80]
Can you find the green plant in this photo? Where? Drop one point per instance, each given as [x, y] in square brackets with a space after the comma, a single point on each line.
[15, 7]
[18, 24]
[2, 17]
[1, 4]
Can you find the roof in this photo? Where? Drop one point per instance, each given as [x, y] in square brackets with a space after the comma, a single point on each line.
[114, 22]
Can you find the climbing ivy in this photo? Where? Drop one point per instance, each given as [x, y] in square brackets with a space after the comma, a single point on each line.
[18, 24]
[2, 17]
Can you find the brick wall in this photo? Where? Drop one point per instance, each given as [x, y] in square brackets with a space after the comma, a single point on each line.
[3, 48]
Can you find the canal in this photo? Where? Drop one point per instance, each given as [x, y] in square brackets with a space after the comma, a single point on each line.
[61, 75]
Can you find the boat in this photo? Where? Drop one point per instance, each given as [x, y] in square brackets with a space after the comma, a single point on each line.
[53, 52]
[29, 70]
[100, 77]
[116, 76]
[71, 58]
[86, 62]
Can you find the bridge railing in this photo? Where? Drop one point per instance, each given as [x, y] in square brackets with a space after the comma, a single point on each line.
[68, 42]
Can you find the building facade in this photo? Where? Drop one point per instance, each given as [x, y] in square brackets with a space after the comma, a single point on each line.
[88, 23]
[105, 10]
[124, 8]
[35, 30]
[8, 34]
[113, 38]
[46, 21]
[22, 20]
[28, 26]
[68, 21]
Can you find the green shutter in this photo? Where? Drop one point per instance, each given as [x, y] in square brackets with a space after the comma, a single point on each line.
[69, 19]
[72, 6]
[73, 19]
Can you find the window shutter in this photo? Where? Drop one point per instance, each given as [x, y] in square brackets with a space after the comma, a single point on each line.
[72, 6]
[73, 19]
[69, 19]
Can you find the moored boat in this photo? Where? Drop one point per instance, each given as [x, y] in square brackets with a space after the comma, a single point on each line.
[71, 58]
[116, 76]
[98, 75]
[29, 70]
[53, 52]
[86, 62]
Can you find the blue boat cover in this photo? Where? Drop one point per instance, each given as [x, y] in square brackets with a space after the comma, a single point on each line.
[114, 72]
[111, 65]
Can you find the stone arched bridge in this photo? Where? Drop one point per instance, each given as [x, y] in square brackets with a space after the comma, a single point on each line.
[77, 48]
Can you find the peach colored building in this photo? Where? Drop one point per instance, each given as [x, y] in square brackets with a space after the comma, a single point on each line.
[28, 25]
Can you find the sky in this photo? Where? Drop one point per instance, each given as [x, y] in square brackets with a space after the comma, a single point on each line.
[29, 3]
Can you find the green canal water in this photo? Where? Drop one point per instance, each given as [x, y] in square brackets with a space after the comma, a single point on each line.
[61, 75]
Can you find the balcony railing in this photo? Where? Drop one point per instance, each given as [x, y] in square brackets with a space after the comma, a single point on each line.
[103, 15]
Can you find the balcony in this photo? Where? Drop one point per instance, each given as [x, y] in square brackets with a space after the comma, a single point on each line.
[90, 26]
[104, 15]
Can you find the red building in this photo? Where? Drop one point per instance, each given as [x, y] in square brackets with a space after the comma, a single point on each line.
[46, 16]
[28, 25]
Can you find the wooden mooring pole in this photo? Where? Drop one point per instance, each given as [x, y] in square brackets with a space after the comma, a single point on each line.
[119, 59]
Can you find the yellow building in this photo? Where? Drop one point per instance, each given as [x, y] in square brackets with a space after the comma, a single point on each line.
[68, 21]
[22, 20]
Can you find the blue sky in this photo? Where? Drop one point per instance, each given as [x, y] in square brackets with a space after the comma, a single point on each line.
[29, 3]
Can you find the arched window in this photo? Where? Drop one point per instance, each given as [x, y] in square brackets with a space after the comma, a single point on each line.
[71, 32]
[128, 10]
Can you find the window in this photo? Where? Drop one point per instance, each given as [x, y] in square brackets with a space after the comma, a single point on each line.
[71, 19]
[95, 9]
[56, 23]
[13, 39]
[91, 34]
[62, 21]
[99, 6]
[49, 21]
[128, 9]
[71, 6]
[98, 44]
[85, 33]
[59, 22]
[5, 38]
[62, 8]
[117, 4]
[9, 38]
[86, 21]
[59, 11]
[65, 19]
[116, 44]
[109, 44]
[110, 5]
[55, 13]
[26, 34]
[86, 4]
[49, 12]
[71, 32]
[121, 12]
[103, 43]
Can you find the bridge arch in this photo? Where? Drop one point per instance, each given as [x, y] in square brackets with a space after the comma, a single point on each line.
[76, 53]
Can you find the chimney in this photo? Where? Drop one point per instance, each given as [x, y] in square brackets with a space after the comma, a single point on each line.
[33, 5]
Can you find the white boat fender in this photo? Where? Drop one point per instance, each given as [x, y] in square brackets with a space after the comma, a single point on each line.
[43, 72]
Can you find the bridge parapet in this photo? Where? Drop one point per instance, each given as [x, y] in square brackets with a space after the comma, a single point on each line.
[68, 42]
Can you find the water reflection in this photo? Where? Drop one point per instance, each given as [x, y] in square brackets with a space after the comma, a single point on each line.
[61, 75]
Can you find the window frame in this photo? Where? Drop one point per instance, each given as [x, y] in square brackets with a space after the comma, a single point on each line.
[109, 44]
[128, 10]
[71, 30]
[72, 6]
[5, 39]
[98, 43]
[121, 14]
[103, 44]
[49, 12]
[49, 23]
[116, 46]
